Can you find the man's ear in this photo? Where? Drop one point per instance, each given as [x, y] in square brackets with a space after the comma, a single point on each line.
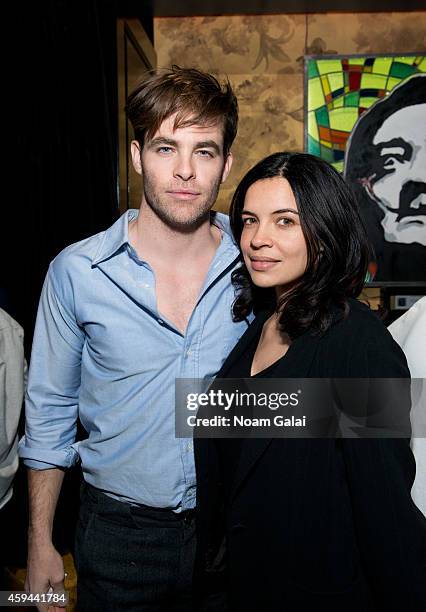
[227, 167]
[135, 150]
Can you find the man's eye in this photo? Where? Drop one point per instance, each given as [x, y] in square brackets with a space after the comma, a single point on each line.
[164, 149]
[204, 153]
[391, 161]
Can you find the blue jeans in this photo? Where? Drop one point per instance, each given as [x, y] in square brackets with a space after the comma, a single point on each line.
[135, 559]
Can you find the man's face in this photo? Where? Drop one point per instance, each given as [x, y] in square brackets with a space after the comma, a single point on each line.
[182, 171]
[399, 185]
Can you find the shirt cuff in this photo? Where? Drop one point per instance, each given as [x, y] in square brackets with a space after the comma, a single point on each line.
[45, 459]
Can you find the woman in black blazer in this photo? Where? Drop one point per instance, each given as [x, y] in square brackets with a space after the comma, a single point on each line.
[307, 524]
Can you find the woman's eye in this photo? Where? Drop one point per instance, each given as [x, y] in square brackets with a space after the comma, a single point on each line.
[285, 221]
[248, 220]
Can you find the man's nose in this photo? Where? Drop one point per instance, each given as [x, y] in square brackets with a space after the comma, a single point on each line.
[184, 168]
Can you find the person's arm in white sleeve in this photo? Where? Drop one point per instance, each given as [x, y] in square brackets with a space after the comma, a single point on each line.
[12, 364]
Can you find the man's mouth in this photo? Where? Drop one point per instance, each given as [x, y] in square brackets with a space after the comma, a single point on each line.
[413, 219]
[183, 194]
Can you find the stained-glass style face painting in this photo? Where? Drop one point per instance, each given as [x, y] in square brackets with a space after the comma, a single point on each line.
[340, 89]
[367, 117]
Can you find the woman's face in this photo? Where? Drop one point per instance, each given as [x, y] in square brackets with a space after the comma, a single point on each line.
[272, 241]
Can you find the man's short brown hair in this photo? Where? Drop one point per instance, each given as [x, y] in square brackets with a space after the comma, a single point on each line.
[197, 98]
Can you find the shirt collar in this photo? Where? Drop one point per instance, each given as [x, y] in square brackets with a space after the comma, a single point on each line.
[118, 234]
[115, 237]
[222, 222]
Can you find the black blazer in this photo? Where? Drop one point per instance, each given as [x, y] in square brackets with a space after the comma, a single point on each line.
[315, 524]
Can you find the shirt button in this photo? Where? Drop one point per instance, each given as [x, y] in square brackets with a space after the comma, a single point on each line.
[188, 352]
[160, 321]
[189, 446]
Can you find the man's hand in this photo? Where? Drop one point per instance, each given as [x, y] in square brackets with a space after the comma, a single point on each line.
[45, 570]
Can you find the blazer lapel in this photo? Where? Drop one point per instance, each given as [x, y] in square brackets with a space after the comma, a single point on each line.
[296, 365]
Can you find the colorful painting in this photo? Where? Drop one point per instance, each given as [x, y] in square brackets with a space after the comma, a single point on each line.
[366, 116]
[340, 88]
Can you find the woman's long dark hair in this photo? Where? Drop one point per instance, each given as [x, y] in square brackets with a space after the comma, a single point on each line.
[337, 245]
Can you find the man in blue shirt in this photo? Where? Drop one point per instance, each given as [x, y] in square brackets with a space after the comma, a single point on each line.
[122, 315]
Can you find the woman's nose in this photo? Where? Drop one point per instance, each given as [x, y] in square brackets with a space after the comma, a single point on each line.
[261, 237]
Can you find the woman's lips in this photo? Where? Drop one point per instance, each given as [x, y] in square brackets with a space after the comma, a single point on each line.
[262, 264]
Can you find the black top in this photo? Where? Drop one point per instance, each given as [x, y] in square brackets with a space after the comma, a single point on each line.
[324, 524]
[229, 449]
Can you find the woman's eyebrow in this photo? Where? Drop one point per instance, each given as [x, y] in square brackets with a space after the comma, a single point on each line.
[284, 210]
[274, 212]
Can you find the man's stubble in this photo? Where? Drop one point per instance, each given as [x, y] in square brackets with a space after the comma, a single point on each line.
[171, 212]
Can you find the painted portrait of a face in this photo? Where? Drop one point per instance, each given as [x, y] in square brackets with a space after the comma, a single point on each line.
[400, 187]
[385, 163]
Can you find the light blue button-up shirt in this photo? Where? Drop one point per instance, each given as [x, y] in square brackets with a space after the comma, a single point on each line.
[103, 352]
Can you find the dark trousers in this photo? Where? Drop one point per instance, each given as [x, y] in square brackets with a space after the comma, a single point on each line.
[132, 558]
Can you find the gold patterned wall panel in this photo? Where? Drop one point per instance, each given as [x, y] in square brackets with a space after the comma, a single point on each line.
[368, 32]
[254, 44]
[263, 57]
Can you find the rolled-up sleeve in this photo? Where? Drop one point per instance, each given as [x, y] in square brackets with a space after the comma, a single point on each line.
[51, 404]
